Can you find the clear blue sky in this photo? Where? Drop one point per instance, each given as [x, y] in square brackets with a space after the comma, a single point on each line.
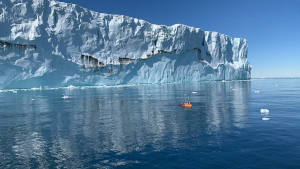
[272, 27]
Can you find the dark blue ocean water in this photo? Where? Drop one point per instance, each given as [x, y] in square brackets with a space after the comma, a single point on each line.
[144, 126]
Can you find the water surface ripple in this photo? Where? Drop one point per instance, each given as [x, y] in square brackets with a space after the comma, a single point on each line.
[144, 126]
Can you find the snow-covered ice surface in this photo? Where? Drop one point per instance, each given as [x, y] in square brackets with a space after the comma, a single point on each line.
[51, 43]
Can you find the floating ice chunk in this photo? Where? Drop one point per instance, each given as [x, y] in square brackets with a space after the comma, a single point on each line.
[256, 91]
[265, 118]
[71, 87]
[65, 97]
[33, 99]
[194, 92]
[264, 111]
[14, 91]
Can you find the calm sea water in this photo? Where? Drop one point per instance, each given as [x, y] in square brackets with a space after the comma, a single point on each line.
[144, 126]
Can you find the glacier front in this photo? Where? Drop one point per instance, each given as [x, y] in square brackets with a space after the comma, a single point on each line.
[51, 43]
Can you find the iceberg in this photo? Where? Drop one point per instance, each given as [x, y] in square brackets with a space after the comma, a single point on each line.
[51, 43]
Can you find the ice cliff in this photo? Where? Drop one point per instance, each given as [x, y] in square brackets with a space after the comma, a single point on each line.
[50, 43]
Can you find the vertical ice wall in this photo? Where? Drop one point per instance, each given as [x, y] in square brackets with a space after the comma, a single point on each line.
[46, 42]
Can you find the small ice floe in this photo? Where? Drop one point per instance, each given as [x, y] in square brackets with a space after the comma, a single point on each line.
[265, 118]
[71, 87]
[256, 91]
[14, 91]
[194, 92]
[264, 111]
[33, 99]
[65, 97]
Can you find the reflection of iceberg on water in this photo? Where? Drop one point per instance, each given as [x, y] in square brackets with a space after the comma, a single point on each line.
[105, 117]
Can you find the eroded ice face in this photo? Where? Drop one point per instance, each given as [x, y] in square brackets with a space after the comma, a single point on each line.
[51, 43]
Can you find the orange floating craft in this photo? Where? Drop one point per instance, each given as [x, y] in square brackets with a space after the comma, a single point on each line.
[186, 105]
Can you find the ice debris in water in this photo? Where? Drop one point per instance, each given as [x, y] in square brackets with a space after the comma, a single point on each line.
[256, 91]
[264, 111]
[65, 97]
[71, 87]
[194, 92]
[265, 118]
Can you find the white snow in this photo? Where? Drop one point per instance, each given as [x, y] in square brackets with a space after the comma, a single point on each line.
[63, 32]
